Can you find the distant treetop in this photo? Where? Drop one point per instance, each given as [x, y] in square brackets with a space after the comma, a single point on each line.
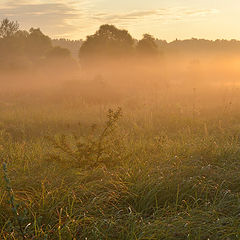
[108, 41]
[8, 28]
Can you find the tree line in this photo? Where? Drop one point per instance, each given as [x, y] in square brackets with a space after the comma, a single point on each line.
[21, 49]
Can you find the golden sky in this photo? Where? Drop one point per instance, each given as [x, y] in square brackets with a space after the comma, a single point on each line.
[165, 19]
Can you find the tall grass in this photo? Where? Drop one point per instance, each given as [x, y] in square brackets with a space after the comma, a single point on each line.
[155, 171]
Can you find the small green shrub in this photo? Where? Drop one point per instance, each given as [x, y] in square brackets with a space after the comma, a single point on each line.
[90, 151]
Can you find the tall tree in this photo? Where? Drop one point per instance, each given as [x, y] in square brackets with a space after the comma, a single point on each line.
[108, 41]
[8, 28]
[147, 45]
[38, 44]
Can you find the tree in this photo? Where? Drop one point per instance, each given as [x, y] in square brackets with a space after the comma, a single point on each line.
[59, 61]
[38, 44]
[108, 41]
[147, 45]
[22, 49]
[10, 48]
[8, 28]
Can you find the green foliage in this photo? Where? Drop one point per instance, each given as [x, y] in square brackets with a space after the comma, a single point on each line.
[91, 151]
[13, 204]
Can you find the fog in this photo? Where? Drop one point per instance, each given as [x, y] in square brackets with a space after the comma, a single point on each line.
[118, 138]
[110, 67]
[114, 81]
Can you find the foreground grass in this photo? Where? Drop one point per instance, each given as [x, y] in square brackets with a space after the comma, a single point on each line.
[149, 174]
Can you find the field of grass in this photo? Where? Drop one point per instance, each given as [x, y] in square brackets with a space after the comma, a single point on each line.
[164, 166]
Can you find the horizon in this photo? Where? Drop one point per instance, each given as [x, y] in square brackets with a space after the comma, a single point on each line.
[168, 20]
[157, 39]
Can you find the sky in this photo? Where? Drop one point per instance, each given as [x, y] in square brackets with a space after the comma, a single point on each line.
[164, 19]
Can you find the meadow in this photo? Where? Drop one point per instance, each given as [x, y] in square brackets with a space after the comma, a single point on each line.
[93, 161]
[117, 138]
[150, 154]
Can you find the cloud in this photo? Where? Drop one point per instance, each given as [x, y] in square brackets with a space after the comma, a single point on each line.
[53, 17]
[201, 12]
[78, 18]
[160, 14]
